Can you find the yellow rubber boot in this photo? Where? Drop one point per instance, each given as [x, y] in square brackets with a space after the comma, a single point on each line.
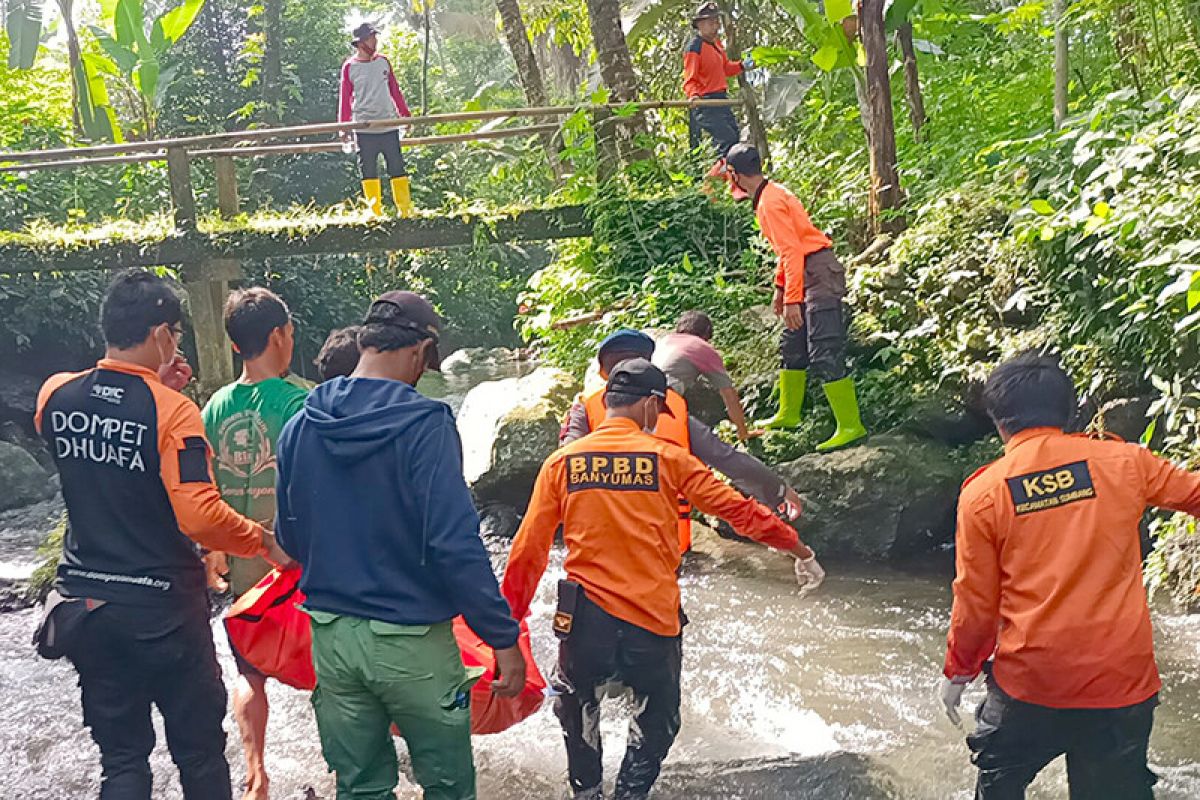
[844, 402]
[792, 384]
[373, 192]
[402, 196]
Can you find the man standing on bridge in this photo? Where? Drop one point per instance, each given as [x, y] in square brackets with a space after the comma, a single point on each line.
[615, 494]
[706, 73]
[1049, 600]
[371, 93]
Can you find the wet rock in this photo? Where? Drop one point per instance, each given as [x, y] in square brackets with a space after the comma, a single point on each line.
[468, 358]
[837, 776]
[1127, 417]
[18, 394]
[948, 421]
[889, 498]
[15, 433]
[508, 428]
[497, 520]
[22, 478]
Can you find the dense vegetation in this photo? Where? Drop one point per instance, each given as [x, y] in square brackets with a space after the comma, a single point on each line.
[1019, 233]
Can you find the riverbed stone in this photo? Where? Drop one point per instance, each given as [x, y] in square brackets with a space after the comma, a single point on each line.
[468, 358]
[892, 497]
[22, 479]
[508, 429]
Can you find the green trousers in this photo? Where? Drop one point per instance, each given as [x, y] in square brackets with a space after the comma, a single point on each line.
[371, 674]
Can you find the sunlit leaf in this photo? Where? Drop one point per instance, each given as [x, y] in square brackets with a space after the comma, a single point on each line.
[24, 28]
[826, 58]
[175, 23]
[1042, 207]
[838, 10]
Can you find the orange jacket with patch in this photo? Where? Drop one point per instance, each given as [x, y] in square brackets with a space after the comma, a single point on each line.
[136, 475]
[615, 492]
[1050, 569]
[706, 68]
[791, 234]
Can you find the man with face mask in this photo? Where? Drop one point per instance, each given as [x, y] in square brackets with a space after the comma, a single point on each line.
[371, 501]
[615, 494]
[130, 606]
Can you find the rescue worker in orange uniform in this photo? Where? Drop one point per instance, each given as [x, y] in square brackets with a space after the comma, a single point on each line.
[1049, 588]
[746, 472]
[706, 73]
[614, 492]
[130, 604]
[810, 290]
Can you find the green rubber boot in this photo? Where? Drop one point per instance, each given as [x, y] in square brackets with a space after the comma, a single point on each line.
[791, 399]
[844, 402]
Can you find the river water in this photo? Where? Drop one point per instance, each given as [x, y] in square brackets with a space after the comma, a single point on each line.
[830, 697]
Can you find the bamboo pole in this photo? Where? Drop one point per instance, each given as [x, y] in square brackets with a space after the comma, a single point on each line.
[283, 149]
[300, 131]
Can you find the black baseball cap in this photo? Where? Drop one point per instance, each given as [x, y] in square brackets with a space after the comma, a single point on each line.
[744, 159]
[362, 32]
[640, 378]
[411, 311]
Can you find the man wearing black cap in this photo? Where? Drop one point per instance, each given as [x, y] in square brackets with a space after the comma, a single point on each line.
[372, 503]
[371, 93]
[706, 73]
[614, 493]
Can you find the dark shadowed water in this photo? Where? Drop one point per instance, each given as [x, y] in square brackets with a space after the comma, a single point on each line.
[829, 697]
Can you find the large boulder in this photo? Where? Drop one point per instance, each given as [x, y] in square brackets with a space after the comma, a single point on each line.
[22, 478]
[889, 498]
[508, 428]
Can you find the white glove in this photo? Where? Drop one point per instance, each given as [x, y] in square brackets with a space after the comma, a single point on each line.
[809, 574]
[950, 693]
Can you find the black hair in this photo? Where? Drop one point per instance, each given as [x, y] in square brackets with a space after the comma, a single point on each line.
[697, 323]
[1029, 391]
[137, 302]
[621, 399]
[610, 358]
[251, 316]
[339, 354]
[383, 337]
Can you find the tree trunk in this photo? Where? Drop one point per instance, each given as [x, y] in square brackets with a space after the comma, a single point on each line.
[616, 66]
[75, 60]
[886, 196]
[1062, 72]
[758, 130]
[272, 64]
[912, 79]
[529, 72]
[425, 61]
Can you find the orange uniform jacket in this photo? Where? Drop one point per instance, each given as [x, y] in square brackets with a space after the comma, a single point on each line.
[791, 234]
[673, 428]
[615, 492]
[137, 478]
[1049, 569]
[706, 68]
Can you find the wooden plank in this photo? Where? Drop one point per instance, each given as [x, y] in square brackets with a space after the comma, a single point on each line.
[419, 233]
[183, 198]
[227, 188]
[300, 131]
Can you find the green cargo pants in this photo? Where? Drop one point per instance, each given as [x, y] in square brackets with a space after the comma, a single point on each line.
[371, 674]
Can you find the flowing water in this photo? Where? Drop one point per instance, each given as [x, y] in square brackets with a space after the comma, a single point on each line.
[829, 698]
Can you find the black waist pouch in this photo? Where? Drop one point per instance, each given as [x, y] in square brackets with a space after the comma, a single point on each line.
[62, 619]
[570, 596]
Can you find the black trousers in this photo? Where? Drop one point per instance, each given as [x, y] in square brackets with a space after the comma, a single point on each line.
[1105, 748]
[130, 657]
[600, 649]
[373, 145]
[717, 121]
[819, 346]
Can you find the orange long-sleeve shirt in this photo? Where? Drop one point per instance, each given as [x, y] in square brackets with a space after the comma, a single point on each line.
[791, 234]
[136, 475]
[615, 492]
[706, 68]
[1049, 569]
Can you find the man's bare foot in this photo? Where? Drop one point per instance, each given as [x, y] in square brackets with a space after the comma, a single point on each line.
[259, 790]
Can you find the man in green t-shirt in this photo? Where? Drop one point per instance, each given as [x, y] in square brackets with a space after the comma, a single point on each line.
[242, 421]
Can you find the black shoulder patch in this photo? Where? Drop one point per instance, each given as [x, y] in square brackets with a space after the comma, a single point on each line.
[615, 472]
[696, 45]
[1051, 488]
[193, 461]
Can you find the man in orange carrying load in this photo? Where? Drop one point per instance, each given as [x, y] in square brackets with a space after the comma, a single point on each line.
[615, 494]
[1049, 588]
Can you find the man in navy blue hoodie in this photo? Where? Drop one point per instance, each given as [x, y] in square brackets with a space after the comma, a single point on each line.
[372, 502]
